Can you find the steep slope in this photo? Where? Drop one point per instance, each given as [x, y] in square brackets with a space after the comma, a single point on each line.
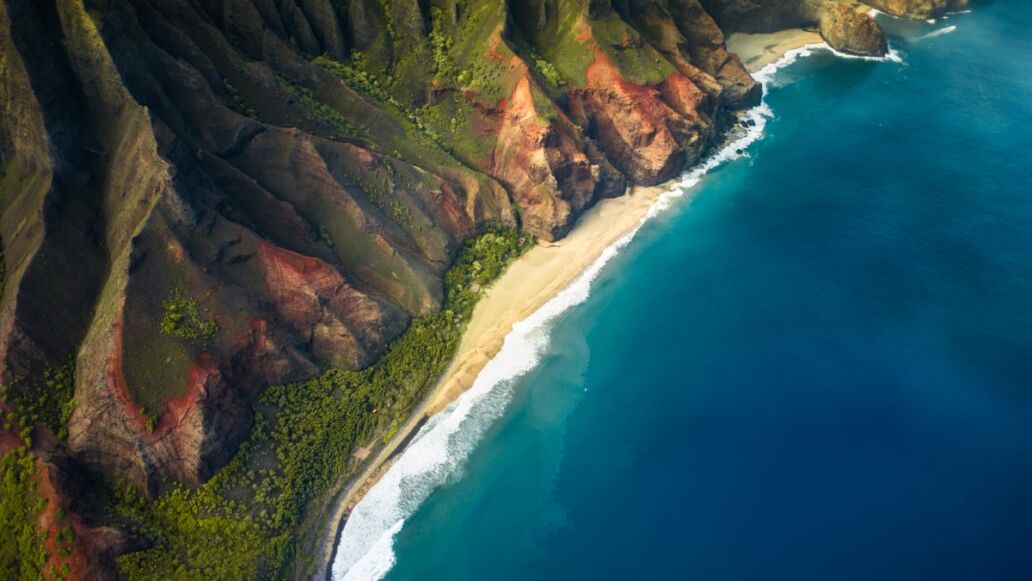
[198, 156]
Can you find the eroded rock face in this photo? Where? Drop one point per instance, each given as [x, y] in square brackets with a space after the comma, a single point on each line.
[548, 167]
[850, 29]
[643, 136]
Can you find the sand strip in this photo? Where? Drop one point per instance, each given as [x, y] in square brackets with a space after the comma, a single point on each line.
[760, 50]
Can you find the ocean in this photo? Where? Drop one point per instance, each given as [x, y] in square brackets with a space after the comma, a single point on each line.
[813, 362]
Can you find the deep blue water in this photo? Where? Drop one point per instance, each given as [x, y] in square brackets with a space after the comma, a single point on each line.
[818, 368]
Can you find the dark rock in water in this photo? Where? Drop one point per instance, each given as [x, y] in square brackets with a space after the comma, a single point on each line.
[743, 123]
[751, 122]
[852, 30]
[739, 151]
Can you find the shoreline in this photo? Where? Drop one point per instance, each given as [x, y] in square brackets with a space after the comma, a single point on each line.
[527, 284]
[760, 50]
[532, 281]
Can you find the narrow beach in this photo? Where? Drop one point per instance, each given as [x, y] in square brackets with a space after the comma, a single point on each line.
[760, 50]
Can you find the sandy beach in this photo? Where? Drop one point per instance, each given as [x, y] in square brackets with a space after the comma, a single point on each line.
[525, 286]
[528, 284]
[759, 50]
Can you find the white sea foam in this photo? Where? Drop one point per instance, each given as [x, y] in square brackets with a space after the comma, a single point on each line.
[893, 55]
[934, 33]
[366, 548]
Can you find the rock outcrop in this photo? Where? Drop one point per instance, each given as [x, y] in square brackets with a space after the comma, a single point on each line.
[850, 29]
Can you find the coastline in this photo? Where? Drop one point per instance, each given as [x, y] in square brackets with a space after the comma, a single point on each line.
[760, 50]
[536, 278]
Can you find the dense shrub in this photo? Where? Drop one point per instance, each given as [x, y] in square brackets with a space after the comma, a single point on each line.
[46, 399]
[21, 544]
[183, 318]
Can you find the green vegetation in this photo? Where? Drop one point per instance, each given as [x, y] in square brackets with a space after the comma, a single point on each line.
[242, 106]
[468, 68]
[358, 79]
[391, 431]
[441, 43]
[152, 420]
[44, 400]
[243, 522]
[388, 21]
[637, 60]
[324, 235]
[563, 47]
[547, 70]
[559, 44]
[64, 541]
[21, 545]
[340, 128]
[371, 87]
[183, 318]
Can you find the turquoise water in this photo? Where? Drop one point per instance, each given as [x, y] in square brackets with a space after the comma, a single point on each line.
[819, 366]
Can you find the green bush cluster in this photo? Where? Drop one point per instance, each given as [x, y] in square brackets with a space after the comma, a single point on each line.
[371, 87]
[547, 70]
[357, 78]
[388, 18]
[242, 106]
[341, 129]
[243, 523]
[22, 555]
[47, 399]
[441, 45]
[183, 318]
[64, 541]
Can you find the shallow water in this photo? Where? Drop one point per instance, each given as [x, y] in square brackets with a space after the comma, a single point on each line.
[818, 367]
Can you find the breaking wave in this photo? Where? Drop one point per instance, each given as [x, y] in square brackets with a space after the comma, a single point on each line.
[940, 32]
